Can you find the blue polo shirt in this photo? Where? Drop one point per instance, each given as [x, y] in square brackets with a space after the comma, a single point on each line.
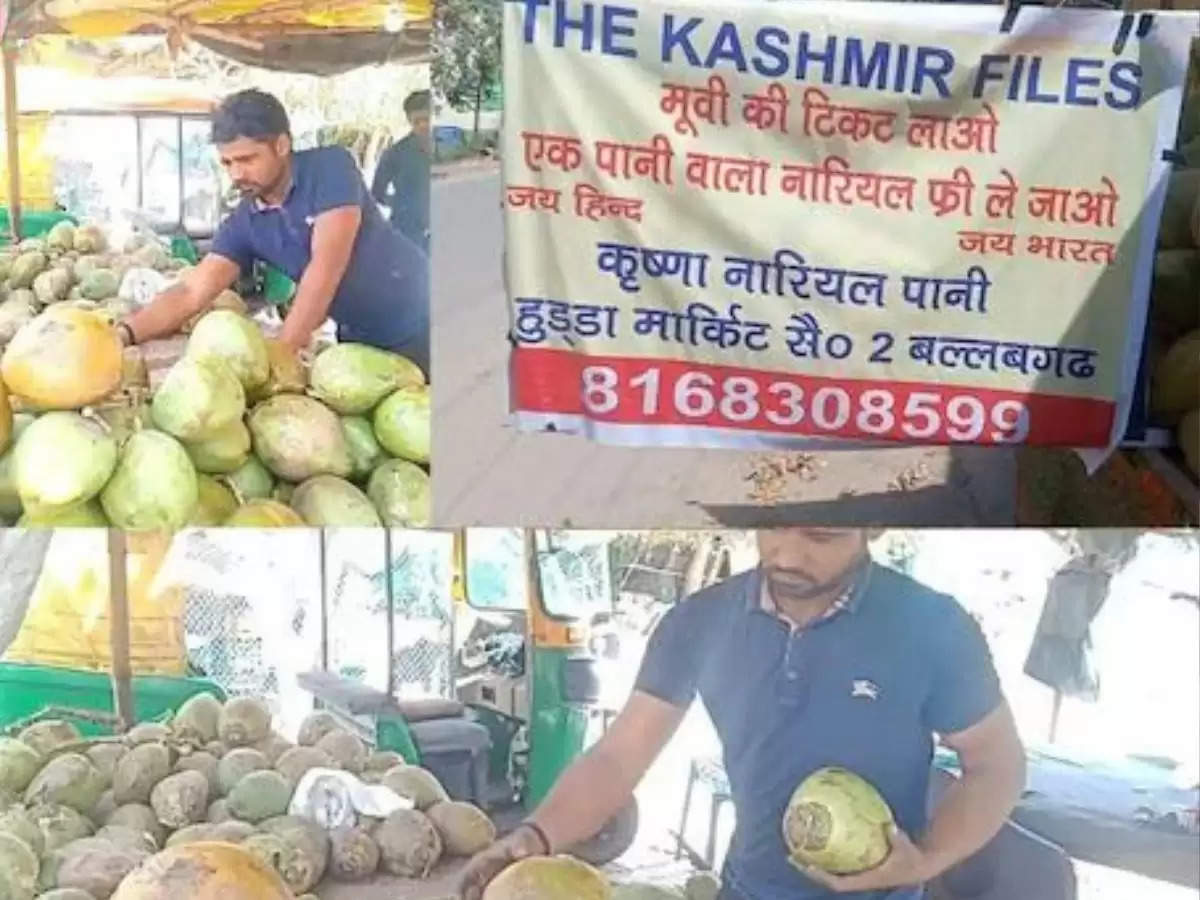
[866, 688]
[383, 298]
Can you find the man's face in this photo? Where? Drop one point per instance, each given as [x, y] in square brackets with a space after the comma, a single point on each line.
[803, 563]
[255, 167]
[420, 122]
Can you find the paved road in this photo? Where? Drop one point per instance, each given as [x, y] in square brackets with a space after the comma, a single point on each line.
[489, 474]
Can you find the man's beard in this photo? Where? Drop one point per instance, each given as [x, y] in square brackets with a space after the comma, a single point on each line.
[797, 585]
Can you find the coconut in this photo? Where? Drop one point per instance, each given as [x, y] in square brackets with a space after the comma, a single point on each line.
[331, 502]
[264, 514]
[98, 867]
[60, 825]
[236, 765]
[283, 492]
[294, 763]
[199, 400]
[198, 719]
[315, 726]
[365, 452]
[260, 795]
[18, 868]
[61, 237]
[218, 812]
[64, 358]
[402, 423]
[51, 286]
[180, 799]
[400, 491]
[345, 749]
[48, 735]
[382, 761]
[15, 312]
[273, 746]
[306, 835]
[463, 827]
[1176, 386]
[76, 515]
[10, 500]
[66, 894]
[222, 453]
[288, 859]
[138, 771]
[19, 762]
[90, 239]
[193, 834]
[353, 378]
[837, 821]
[105, 807]
[99, 284]
[147, 733]
[548, 878]
[287, 373]
[16, 821]
[207, 765]
[204, 871]
[409, 845]
[139, 818]
[154, 485]
[62, 459]
[70, 780]
[251, 482]
[353, 854]
[131, 838]
[105, 758]
[225, 335]
[297, 438]
[244, 721]
[417, 784]
[644, 892]
[25, 268]
[1175, 291]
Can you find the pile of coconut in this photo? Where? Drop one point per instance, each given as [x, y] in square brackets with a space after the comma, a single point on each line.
[78, 816]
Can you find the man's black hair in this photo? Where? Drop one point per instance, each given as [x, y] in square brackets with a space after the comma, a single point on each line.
[250, 114]
[417, 101]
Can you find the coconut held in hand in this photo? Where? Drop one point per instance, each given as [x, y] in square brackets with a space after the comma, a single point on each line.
[838, 822]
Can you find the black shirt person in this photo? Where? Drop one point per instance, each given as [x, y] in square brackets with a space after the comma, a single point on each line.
[309, 214]
[401, 180]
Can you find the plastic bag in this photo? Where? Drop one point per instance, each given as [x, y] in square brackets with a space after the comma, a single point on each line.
[335, 799]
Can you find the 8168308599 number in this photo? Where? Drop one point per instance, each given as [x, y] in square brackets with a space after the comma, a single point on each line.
[633, 391]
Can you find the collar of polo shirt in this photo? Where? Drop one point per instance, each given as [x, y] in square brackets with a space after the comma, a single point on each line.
[261, 206]
[848, 600]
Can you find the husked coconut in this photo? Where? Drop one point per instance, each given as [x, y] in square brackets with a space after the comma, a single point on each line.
[409, 845]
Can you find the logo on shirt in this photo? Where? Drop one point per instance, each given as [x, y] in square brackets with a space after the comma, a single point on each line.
[864, 688]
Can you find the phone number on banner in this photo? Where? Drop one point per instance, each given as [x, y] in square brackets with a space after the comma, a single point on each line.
[637, 391]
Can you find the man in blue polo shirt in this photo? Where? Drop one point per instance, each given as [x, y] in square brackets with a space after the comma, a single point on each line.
[309, 214]
[818, 657]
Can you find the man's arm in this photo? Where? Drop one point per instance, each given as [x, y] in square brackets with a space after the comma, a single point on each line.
[595, 787]
[167, 312]
[333, 237]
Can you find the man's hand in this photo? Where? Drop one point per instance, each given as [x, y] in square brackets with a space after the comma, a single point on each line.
[906, 866]
[519, 844]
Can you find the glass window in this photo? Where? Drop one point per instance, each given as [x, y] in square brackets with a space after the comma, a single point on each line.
[95, 172]
[576, 573]
[202, 187]
[161, 170]
[496, 568]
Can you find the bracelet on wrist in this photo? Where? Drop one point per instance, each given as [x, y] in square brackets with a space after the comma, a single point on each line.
[126, 333]
[541, 834]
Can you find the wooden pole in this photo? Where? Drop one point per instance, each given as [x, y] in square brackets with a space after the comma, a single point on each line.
[118, 618]
[11, 127]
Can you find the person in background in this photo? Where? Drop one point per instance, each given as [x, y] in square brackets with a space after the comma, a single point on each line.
[401, 180]
[309, 214]
[818, 657]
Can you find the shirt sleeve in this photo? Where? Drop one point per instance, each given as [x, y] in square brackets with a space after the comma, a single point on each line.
[339, 183]
[965, 686]
[670, 668]
[232, 240]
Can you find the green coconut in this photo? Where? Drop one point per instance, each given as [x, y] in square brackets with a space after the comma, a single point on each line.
[294, 763]
[224, 452]
[409, 845]
[18, 869]
[400, 491]
[16, 821]
[49, 735]
[463, 827]
[1176, 385]
[198, 719]
[837, 821]
[273, 746]
[51, 286]
[353, 378]
[315, 726]
[365, 452]
[90, 239]
[218, 812]
[131, 837]
[225, 335]
[252, 481]
[60, 825]
[345, 749]
[25, 268]
[147, 733]
[105, 807]
[154, 485]
[198, 400]
[402, 423]
[10, 500]
[16, 311]
[207, 765]
[215, 503]
[62, 459]
[99, 284]
[260, 795]
[283, 492]
[181, 799]
[138, 771]
[244, 721]
[68, 780]
[264, 514]
[138, 818]
[61, 237]
[298, 438]
[76, 515]
[19, 762]
[96, 865]
[311, 843]
[549, 878]
[332, 502]
[286, 858]
[353, 854]
[417, 784]
[105, 758]
[236, 765]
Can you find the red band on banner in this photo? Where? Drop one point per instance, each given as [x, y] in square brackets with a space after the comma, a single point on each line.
[639, 391]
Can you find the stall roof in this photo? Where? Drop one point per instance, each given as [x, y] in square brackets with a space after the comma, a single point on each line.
[51, 90]
[318, 37]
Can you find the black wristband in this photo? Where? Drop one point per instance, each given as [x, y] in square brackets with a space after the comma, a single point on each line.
[127, 332]
[540, 832]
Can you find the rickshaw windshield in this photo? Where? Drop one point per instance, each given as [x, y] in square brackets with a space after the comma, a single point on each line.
[576, 573]
[496, 569]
